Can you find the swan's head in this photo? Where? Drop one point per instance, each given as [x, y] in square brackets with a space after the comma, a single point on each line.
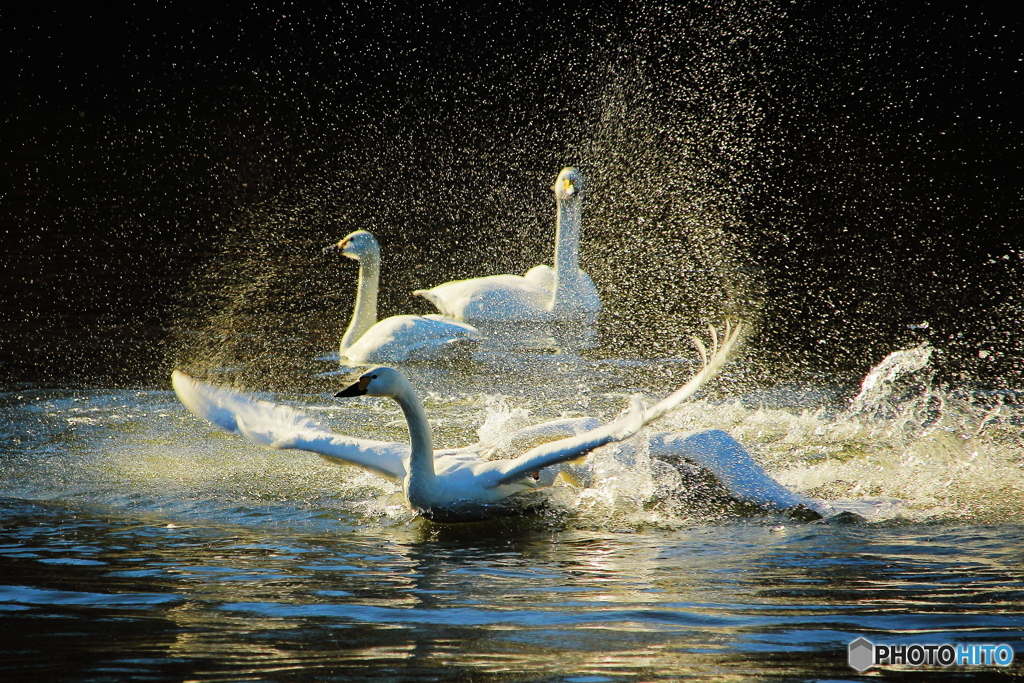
[378, 382]
[356, 245]
[569, 184]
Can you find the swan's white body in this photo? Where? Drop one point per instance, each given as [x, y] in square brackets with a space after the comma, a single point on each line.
[544, 294]
[712, 449]
[399, 338]
[461, 484]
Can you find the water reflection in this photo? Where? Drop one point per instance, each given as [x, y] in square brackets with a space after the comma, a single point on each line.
[566, 338]
[528, 595]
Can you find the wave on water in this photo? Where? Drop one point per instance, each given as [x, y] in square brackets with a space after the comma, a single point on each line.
[901, 449]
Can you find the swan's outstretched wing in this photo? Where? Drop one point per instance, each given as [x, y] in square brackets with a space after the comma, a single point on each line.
[719, 355]
[507, 471]
[278, 426]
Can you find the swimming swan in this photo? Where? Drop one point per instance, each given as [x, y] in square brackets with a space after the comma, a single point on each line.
[401, 337]
[449, 485]
[543, 294]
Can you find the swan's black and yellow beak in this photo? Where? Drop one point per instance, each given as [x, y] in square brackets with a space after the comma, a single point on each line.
[357, 389]
[339, 246]
[566, 186]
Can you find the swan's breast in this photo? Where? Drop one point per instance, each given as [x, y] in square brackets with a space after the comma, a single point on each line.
[576, 299]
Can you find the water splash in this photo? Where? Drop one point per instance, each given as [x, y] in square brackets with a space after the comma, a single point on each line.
[879, 387]
[903, 449]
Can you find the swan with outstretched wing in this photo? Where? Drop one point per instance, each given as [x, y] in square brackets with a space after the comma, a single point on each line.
[444, 485]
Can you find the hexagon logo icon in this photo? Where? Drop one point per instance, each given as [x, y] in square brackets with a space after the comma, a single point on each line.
[861, 654]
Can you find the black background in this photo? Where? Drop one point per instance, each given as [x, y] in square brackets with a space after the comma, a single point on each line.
[146, 146]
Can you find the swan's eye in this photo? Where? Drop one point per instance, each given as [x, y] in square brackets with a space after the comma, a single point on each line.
[373, 376]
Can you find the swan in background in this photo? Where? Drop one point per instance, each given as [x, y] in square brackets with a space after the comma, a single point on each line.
[543, 294]
[401, 337]
[449, 485]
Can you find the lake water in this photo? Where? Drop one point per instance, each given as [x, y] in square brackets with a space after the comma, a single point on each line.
[138, 542]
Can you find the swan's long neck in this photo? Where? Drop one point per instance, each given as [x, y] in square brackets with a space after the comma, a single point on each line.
[420, 480]
[567, 254]
[365, 314]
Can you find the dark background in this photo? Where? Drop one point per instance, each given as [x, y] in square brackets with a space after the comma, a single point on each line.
[836, 173]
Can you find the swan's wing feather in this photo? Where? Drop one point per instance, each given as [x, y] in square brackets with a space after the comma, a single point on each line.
[413, 328]
[552, 453]
[503, 472]
[279, 426]
[405, 337]
[386, 460]
[552, 430]
[440, 302]
[494, 297]
[711, 368]
[731, 464]
[453, 327]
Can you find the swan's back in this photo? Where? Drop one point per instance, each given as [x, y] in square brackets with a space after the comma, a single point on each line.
[542, 276]
[514, 298]
[402, 338]
[491, 298]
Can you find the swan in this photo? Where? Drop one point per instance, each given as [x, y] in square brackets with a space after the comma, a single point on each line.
[713, 450]
[544, 294]
[399, 338]
[449, 485]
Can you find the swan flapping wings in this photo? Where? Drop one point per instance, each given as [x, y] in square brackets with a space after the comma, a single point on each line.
[459, 483]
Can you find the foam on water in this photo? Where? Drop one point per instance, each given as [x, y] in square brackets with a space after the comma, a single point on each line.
[901, 449]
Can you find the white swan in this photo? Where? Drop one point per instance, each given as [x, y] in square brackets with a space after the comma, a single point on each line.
[399, 338]
[712, 449]
[444, 485]
[543, 294]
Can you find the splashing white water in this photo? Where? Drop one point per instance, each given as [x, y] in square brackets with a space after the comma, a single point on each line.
[901, 449]
[878, 388]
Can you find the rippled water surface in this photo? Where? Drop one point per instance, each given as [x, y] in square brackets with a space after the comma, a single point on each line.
[138, 542]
